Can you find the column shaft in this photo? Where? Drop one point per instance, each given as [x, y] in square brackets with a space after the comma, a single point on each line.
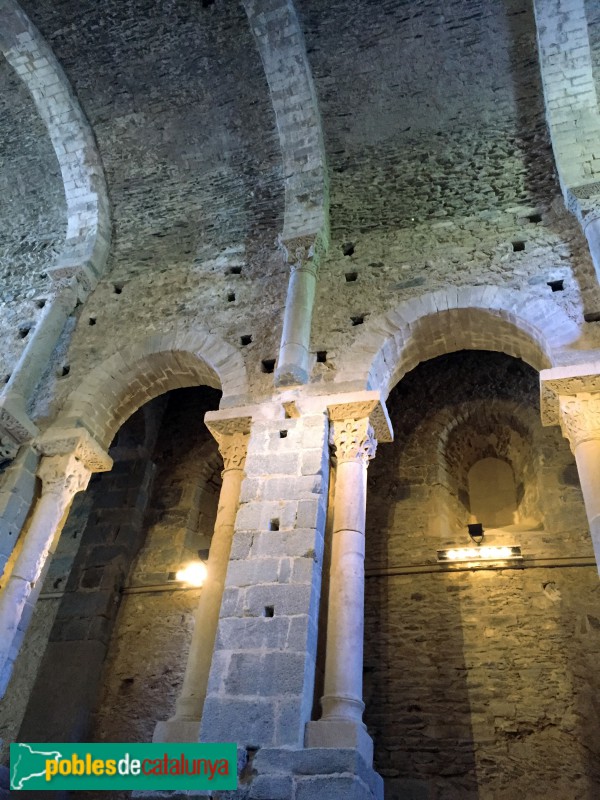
[62, 477]
[293, 363]
[344, 656]
[592, 234]
[587, 456]
[184, 726]
[193, 692]
[580, 423]
[341, 724]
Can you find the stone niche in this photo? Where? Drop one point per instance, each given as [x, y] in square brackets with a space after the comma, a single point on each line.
[113, 660]
[478, 684]
[492, 493]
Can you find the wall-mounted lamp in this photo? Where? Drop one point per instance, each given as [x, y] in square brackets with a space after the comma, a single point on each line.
[476, 531]
[478, 554]
[193, 573]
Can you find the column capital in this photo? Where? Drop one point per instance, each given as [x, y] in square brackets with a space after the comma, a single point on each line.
[568, 381]
[63, 475]
[69, 457]
[303, 252]
[15, 427]
[233, 447]
[76, 442]
[353, 440]
[580, 417]
[362, 405]
[231, 434]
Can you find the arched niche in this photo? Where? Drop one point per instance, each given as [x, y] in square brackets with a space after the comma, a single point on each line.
[492, 492]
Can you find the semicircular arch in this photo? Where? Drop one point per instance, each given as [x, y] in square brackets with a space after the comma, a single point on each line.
[125, 381]
[519, 324]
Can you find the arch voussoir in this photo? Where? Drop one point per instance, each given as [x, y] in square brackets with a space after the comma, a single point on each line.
[459, 318]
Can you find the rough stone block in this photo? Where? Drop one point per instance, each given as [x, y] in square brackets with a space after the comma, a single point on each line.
[232, 604]
[285, 599]
[253, 571]
[333, 788]
[256, 633]
[299, 543]
[265, 674]
[271, 787]
[292, 716]
[250, 723]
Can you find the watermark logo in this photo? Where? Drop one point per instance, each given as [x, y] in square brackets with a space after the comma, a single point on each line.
[123, 766]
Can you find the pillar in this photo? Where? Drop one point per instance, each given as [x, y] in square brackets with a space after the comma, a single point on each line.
[353, 443]
[15, 426]
[580, 424]
[184, 726]
[69, 458]
[293, 362]
[591, 228]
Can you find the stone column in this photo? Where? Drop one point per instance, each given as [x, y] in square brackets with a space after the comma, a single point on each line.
[591, 228]
[353, 442]
[184, 726]
[69, 459]
[580, 424]
[293, 361]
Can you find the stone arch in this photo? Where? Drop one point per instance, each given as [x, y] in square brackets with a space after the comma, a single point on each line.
[88, 224]
[296, 112]
[122, 383]
[519, 324]
[513, 428]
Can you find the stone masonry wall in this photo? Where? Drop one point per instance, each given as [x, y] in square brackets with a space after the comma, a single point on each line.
[148, 650]
[443, 173]
[478, 685]
[177, 98]
[33, 214]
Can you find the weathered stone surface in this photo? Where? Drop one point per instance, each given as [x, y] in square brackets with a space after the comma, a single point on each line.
[443, 651]
[214, 121]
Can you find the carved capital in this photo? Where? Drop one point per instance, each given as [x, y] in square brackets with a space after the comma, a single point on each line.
[299, 252]
[76, 442]
[580, 418]
[63, 476]
[364, 404]
[233, 448]
[15, 428]
[232, 435]
[558, 382]
[8, 446]
[353, 440]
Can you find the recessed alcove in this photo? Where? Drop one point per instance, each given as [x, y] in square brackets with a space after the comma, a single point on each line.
[492, 492]
[139, 523]
[440, 642]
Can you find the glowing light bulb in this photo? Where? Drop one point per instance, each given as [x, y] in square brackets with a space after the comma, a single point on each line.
[193, 573]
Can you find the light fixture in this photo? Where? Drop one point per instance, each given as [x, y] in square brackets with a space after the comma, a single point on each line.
[193, 573]
[475, 531]
[478, 554]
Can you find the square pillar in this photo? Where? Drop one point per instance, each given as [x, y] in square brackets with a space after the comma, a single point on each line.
[261, 683]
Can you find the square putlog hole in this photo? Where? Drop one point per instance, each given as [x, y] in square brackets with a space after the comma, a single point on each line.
[268, 365]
